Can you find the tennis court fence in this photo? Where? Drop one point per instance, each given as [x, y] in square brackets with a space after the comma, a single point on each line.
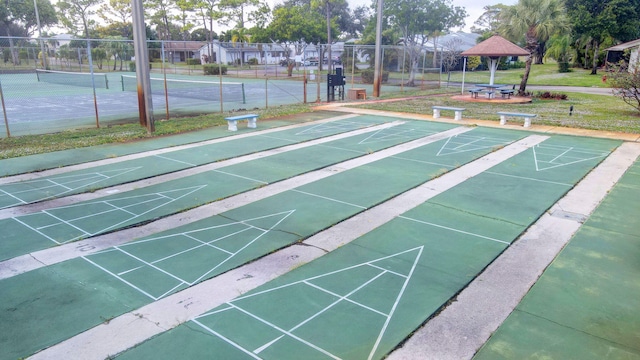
[51, 84]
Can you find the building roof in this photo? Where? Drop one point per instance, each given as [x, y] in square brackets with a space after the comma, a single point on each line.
[625, 46]
[496, 46]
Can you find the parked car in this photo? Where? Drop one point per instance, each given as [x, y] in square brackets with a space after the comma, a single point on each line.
[335, 61]
[313, 61]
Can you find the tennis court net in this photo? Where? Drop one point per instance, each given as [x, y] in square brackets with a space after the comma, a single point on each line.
[192, 89]
[73, 78]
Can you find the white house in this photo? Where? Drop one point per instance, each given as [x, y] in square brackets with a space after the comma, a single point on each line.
[615, 54]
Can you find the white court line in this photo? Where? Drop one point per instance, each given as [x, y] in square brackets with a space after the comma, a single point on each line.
[190, 283]
[456, 230]
[529, 178]
[566, 151]
[328, 198]
[175, 160]
[247, 245]
[226, 340]
[118, 277]
[395, 305]
[12, 196]
[343, 298]
[239, 176]
[45, 235]
[313, 346]
[390, 135]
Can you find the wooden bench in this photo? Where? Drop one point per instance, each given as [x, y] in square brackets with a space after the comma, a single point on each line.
[527, 117]
[475, 92]
[457, 111]
[232, 121]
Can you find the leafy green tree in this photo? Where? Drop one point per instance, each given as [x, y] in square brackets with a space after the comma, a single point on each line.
[416, 20]
[489, 21]
[18, 18]
[532, 20]
[208, 11]
[560, 50]
[240, 35]
[161, 16]
[76, 15]
[98, 55]
[117, 15]
[598, 20]
[202, 34]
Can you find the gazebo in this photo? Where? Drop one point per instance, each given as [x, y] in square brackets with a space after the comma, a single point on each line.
[494, 48]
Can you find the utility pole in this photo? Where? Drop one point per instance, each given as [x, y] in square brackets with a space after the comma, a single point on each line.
[145, 103]
[377, 76]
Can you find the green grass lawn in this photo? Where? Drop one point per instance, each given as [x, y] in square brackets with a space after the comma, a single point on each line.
[598, 112]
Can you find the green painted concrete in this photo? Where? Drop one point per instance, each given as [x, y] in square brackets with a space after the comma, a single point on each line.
[241, 235]
[44, 229]
[26, 164]
[361, 300]
[585, 305]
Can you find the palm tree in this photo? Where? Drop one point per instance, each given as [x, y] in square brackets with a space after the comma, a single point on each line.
[536, 21]
[240, 35]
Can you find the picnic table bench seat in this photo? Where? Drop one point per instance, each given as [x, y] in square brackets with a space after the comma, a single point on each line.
[232, 121]
[474, 92]
[457, 111]
[527, 117]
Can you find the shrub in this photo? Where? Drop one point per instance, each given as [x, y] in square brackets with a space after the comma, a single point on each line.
[367, 76]
[626, 84]
[193, 61]
[132, 66]
[563, 67]
[252, 61]
[214, 69]
[546, 95]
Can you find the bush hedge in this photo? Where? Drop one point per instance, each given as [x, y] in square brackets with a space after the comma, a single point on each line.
[214, 69]
[367, 76]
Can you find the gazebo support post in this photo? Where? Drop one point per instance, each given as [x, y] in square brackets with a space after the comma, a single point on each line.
[493, 67]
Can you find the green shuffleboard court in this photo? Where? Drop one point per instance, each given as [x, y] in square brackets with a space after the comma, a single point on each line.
[89, 290]
[361, 300]
[27, 233]
[585, 305]
[44, 188]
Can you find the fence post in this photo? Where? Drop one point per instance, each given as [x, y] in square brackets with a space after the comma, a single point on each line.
[4, 111]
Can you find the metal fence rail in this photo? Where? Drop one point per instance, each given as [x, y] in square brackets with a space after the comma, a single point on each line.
[64, 87]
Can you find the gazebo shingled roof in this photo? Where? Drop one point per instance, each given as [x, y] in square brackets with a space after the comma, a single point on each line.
[496, 46]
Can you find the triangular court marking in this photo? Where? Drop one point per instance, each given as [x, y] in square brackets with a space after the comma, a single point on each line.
[548, 157]
[157, 264]
[96, 209]
[63, 184]
[461, 143]
[377, 264]
[391, 134]
[342, 125]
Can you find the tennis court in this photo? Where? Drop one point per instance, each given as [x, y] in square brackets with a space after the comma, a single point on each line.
[457, 197]
[51, 101]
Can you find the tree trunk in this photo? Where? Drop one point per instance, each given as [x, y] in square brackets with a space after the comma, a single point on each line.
[14, 55]
[594, 68]
[525, 76]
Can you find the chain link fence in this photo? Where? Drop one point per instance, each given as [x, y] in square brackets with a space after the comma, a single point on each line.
[49, 85]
